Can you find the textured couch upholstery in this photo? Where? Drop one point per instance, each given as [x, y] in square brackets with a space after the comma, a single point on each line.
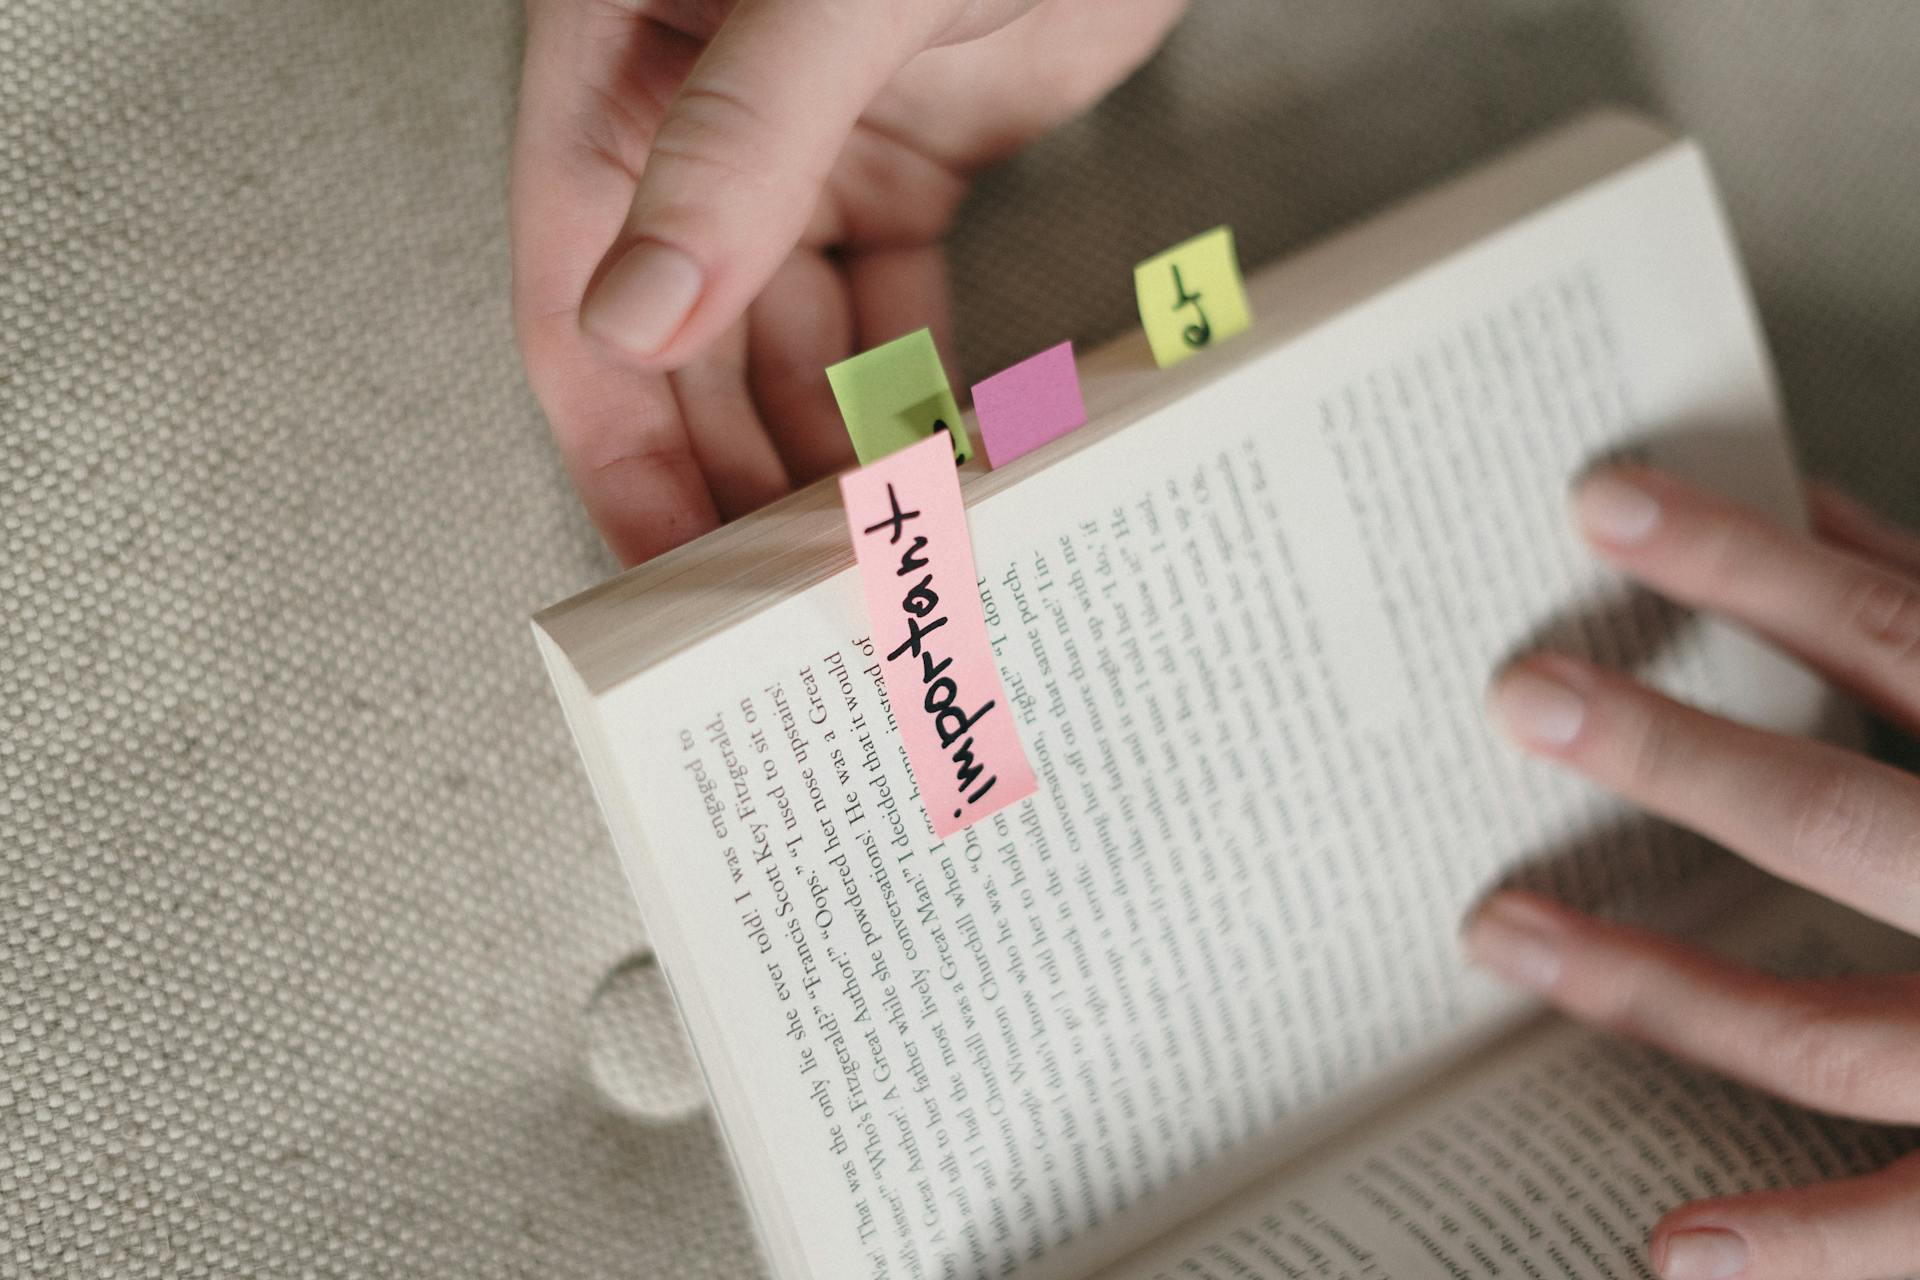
[306, 918]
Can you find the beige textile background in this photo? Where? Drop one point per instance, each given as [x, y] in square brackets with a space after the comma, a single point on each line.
[302, 895]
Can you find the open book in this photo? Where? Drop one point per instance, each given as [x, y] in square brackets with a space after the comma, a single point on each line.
[1196, 1007]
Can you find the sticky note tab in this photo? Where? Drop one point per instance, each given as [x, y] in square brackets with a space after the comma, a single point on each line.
[896, 394]
[1191, 296]
[1021, 408]
[930, 635]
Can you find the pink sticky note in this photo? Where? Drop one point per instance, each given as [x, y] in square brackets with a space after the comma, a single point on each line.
[930, 634]
[1035, 401]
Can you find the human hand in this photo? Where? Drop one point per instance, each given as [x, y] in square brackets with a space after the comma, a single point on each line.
[713, 200]
[1848, 603]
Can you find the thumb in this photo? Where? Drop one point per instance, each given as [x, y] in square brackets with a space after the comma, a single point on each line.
[734, 171]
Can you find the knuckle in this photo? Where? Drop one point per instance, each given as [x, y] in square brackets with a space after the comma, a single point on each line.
[673, 461]
[717, 128]
[1826, 1061]
[1724, 549]
[1812, 1061]
[1826, 1244]
[1620, 994]
[1650, 750]
[1617, 1002]
[611, 134]
[1834, 818]
[918, 192]
[1882, 613]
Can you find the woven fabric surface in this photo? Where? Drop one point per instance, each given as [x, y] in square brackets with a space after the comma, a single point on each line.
[314, 959]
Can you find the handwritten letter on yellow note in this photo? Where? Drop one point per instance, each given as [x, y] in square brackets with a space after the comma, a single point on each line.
[1191, 296]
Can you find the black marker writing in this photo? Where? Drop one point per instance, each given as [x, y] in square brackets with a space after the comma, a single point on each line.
[940, 693]
[1199, 333]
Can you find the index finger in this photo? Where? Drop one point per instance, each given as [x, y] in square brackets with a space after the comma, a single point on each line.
[1838, 823]
[1854, 618]
[1846, 1045]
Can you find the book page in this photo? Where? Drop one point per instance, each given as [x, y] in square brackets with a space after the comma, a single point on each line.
[1247, 640]
[1555, 1158]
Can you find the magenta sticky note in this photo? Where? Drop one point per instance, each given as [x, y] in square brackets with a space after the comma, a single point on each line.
[1021, 408]
[930, 634]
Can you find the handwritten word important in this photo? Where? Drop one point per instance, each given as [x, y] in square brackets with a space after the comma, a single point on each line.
[923, 597]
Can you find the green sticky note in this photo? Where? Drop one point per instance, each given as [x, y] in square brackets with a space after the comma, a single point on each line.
[1191, 296]
[896, 394]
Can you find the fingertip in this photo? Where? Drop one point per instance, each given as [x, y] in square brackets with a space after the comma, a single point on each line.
[1616, 508]
[1519, 937]
[1702, 1253]
[643, 301]
[1540, 701]
[1701, 1240]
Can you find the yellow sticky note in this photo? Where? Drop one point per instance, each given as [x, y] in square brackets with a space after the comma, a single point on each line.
[1191, 296]
[897, 394]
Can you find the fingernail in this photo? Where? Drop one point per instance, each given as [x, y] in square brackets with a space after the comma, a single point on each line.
[643, 300]
[1515, 939]
[1704, 1255]
[1537, 709]
[1613, 510]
